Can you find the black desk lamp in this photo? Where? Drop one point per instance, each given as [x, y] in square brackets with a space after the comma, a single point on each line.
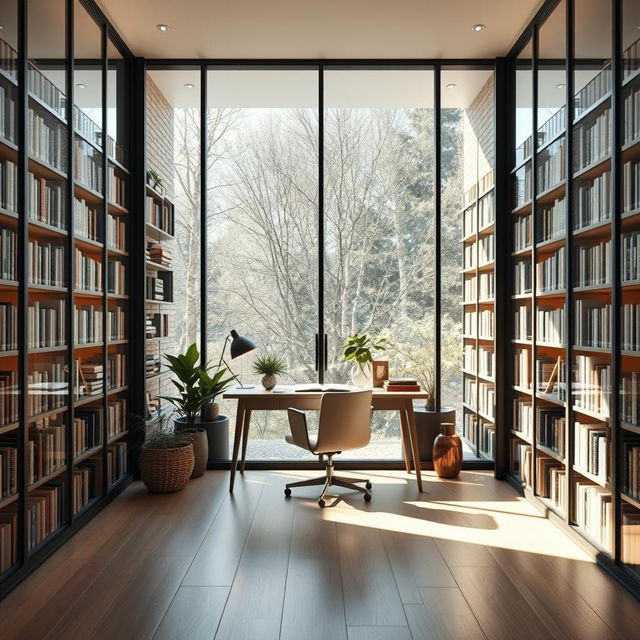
[239, 346]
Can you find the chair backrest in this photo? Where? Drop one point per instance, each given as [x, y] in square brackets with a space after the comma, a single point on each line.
[345, 421]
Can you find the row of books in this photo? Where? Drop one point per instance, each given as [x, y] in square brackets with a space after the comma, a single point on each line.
[158, 326]
[116, 417]
[117, 188]
[487, 438]
[45, 264]
[593, 264]
[550, 325]
[521, 456]
[8, 254]
[630, 256]
[47, 385]
[486, 362]
[486, 323]
[8, 471]
[469, 221]
[486, 286]
[86, 220]
[469, 360]
[46, 448]
[8, 533]
[155, 288]
[630, 536]
[522, 277]
[8, 185]
[551, 428]
[45, 513]
[522, 368]
[631, 185]
[8, 122]
[523, 185]
[523, 416]
[87, 429]
[486, 210]
[469, 422]
[486, 249]
[116, 233]
[552, 220]
[631, 118]
[550, 475]
[630, 337]
[470, 255]
[116, 461]
[160, 254]
[592, 201]
[116, 370]
[479, 396]
[88, 324]
[46, 324]
[591, 449]
[86, 481]
[46, 140]
[592, 141]
[551, 272]
[8, 398]
[593, 323]
[45, 201]
[522, 322]
[88, 166]
[630, 397]
[117, 323]
[86, 127]
[117, 277]
[160, 214]
[593, 384]
[88, 272]
[521, 232]
[551, 166]
[631, 457]
[593, 510]
[469, 288]
[8, 326]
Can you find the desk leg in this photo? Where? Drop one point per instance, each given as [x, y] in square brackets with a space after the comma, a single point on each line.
[406, 439]
[245, 438]
[414, 442]
[236, 443]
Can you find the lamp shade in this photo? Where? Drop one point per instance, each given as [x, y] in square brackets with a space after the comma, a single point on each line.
[240, 345]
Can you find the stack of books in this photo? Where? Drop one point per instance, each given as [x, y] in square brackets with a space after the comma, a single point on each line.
[91, 376]
[401, 384]
[155, 288]
[159, 254]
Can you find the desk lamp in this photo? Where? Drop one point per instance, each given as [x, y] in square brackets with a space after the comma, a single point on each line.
[239, 346]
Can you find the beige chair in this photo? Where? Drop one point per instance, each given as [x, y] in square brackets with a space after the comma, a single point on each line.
[345, 423]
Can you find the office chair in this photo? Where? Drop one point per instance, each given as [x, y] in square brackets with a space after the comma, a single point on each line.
[345, 423]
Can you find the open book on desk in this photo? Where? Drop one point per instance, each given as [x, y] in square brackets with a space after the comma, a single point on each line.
[322, 389]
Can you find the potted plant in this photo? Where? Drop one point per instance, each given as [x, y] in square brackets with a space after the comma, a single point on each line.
[216, 425]
[189, 403]
[155, 181]
[166, 460]
[269, 366]
[358, 348]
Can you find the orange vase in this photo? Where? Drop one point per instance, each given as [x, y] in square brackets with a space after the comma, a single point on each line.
[447, 452]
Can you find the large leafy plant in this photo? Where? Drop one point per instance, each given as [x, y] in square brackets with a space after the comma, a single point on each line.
[359, 347]
[196, 387]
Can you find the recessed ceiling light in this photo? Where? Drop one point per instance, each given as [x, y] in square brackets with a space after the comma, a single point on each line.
[81, 85]
[451, 85]
[189, 85]
[162, 27]
[2, 27]
[561, 85]
[479, 27]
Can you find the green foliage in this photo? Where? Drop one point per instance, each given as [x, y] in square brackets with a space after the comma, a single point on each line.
[359, 347]
[160, 439]
[270, 365]
[196, 387]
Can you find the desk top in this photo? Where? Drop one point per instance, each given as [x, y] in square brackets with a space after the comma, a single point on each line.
[313, 391]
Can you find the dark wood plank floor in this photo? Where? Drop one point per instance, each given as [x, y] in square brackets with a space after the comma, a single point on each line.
[467, 559]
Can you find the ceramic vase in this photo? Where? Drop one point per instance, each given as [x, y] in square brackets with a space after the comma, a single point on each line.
[269, 382]
[447, 452]
[362, 375]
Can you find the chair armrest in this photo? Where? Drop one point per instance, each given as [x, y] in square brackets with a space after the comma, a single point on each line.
[298, 426]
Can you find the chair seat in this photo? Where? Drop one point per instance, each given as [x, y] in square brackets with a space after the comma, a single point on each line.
[313, 441]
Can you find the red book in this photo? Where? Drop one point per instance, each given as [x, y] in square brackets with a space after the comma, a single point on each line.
[402, 387]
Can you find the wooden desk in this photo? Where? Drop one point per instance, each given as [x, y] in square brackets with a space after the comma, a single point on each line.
[258, 399]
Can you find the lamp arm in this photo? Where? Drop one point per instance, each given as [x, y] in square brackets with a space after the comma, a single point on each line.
[223, 350]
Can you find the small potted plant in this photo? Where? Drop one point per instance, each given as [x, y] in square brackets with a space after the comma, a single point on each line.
[358, 348]
[166, 460]
[155, 181]
[189, 403]
[269, 366]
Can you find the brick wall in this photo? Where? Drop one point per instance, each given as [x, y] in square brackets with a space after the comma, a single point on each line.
[160, 135]
[479, 136]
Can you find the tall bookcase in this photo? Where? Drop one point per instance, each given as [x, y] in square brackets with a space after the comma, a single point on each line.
[64, 299]
[479, 358]
[575, 253]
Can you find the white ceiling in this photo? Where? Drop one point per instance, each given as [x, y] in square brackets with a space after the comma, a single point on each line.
[320, 29]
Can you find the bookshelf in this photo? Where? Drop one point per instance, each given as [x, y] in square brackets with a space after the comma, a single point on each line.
[64, 317]
[478, 286]
[575, 311]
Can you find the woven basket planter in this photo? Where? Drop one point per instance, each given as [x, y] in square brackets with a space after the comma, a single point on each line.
[166, 470]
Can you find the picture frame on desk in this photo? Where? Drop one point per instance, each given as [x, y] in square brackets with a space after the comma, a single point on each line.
[380, 372]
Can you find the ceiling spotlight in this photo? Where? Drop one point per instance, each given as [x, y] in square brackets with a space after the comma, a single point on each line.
[561, 85]
[189, 85]
[478, 27]
[451, 85]
[162, 27]
[2, 27]
[81, 85]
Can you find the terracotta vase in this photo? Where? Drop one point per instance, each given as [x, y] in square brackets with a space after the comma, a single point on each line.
[447, 452]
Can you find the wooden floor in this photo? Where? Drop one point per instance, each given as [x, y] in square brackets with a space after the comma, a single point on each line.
[467, 559]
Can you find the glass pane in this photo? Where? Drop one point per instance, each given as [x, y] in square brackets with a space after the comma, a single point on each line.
[262, 226]
[468, 241]
[379, 222]
[630, 311]
[10, 430]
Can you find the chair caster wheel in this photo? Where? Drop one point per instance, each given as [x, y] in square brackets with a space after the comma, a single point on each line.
[321, 502]
[367, 497]
[368, 485]
[287, 492]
